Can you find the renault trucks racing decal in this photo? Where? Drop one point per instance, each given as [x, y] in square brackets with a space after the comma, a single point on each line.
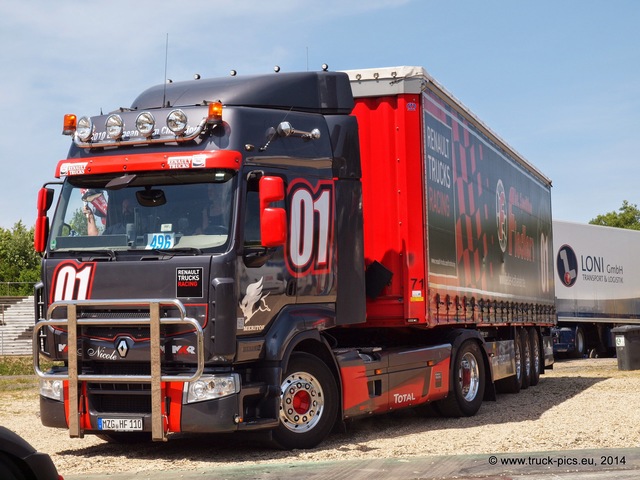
[440, 197]
[72, 281]
[189, 282]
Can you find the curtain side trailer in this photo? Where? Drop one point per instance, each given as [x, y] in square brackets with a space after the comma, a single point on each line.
[597, 286]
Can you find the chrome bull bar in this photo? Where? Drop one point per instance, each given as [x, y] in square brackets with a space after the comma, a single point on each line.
[154, 379]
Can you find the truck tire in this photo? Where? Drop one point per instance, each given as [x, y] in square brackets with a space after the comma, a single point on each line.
[513, 384]
[536, 356]
[467, 383]
[308, 403]
[525, 348]
[581, 343]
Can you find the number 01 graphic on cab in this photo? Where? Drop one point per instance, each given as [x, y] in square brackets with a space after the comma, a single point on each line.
[310, 228]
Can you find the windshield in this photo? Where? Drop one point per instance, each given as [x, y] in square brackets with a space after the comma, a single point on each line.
[144, 211]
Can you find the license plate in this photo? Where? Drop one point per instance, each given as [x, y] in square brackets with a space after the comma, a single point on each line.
[120, 424]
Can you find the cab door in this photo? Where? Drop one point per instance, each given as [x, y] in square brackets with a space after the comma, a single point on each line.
[265, 283]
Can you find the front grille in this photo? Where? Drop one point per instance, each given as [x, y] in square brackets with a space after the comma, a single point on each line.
[118, 397]
[117, 368]
[118, 402]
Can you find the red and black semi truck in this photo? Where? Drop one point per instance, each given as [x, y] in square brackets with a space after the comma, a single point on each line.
[284, 253]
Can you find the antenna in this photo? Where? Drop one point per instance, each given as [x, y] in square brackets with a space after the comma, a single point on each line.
[166, 58]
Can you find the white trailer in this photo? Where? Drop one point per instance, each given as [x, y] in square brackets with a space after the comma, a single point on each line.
[597, 285]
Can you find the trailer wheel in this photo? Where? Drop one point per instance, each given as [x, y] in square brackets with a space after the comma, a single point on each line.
[525, 348]
[536, 357]
[513, 384]
[467, 383]
[308, 403]
[581, 343]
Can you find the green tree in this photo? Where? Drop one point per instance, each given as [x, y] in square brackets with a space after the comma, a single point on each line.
[19, 262]
[628, 216]
[78, 222]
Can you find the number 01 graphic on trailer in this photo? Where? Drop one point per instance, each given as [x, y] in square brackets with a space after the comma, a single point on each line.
[310, 240]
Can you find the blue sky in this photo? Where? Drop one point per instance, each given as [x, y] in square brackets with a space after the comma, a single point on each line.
[559, 80]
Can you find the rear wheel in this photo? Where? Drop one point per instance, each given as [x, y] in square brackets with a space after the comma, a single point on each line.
[581, 343]
[525, 348]
[536, 357]
[467, 383]
[513, 384]
[308, 403]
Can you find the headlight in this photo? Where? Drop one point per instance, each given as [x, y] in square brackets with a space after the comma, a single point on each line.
[177, 121]
[114, 126]
[51, 389]
[145, 123]
[210, 387]
[84, 129]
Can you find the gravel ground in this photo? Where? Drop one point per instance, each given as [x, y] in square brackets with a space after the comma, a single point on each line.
[580, 404]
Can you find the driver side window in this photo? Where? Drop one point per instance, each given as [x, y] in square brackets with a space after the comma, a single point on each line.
[252, 219]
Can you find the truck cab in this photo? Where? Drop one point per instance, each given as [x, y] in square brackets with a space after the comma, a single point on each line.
[193, 246]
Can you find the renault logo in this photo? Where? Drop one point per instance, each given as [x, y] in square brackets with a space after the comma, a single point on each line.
[122, 346]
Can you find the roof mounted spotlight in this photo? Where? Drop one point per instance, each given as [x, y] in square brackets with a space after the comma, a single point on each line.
[197, 76]
[145, 123]
[84, 129]
[177, 121]
[325, 67]
[114, 126]
[233, 73]
[276, 69]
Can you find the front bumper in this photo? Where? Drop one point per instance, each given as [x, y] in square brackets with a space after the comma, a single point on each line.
[210, 416]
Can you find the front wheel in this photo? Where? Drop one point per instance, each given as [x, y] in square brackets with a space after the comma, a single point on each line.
[467, 383]
[308, 403]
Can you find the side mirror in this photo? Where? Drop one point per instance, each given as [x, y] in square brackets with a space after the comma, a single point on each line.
[41, 230]
[45, 200]
[273, 220]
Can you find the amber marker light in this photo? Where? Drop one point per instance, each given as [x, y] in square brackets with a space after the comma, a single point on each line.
[215, 112]
[69, 125]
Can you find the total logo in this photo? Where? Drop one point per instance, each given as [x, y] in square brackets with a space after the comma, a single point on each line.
[567, 264]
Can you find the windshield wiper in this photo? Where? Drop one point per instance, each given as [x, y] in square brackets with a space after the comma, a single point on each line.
[91, 255]
[177, 251]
